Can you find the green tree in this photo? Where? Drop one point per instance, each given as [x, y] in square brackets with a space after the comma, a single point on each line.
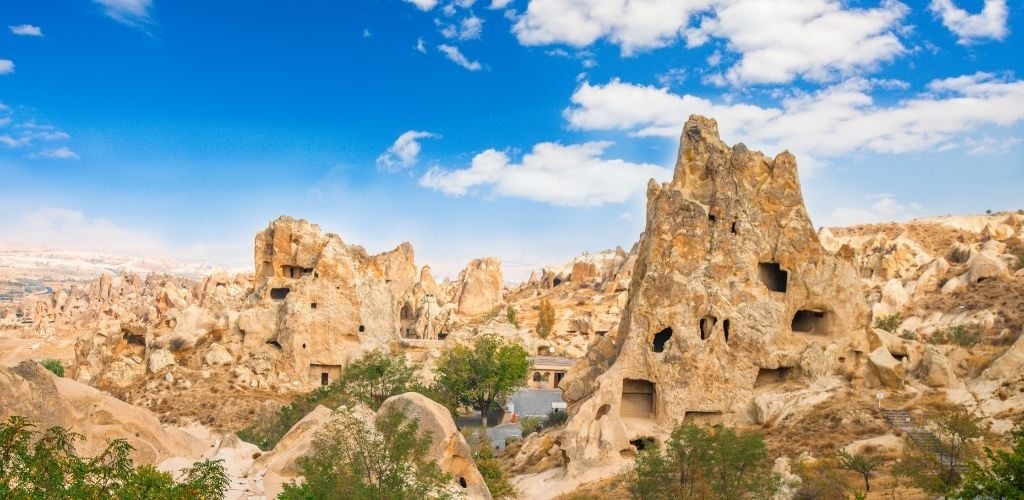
[546, 319]
[354, 460]
[865, 465]
[484, 375]
[934, 460]
[702, 463]
[1004, 475]
[378, 376]
[35, 465]
[889, 323]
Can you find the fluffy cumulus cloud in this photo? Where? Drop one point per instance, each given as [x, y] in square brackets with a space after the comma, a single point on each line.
[404, 152]
[631, 24]
[836, 120]
[834, 40]
[989, 23]
[26, 30]
[573, 175]
[133, 13]
[6, 66]
[882, 207]
[814, 39]
[456, 56]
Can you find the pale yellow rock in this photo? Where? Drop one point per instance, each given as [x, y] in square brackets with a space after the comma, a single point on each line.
[887, 370]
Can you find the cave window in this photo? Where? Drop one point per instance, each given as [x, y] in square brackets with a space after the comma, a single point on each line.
[642, 443]
[601, 333]
[324, 379]
[767, 376]
[536, 377]
[711, 217]
[556, 282]
[312, 305]
[362, 328]
[274, 343]
[462, 482]
[407, 313]
[558, 378]
[442, 335]
[815, 322]
[707, 326]
[637, 398]
[733, 228]
[773, 276]
[660, 338]
[303, 346]
[291, 271]
[279, 293]
[725, 329]
[307, 270]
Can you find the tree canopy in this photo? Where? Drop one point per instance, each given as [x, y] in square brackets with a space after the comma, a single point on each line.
[482, 375]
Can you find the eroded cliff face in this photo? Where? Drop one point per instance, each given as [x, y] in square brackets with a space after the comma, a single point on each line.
[731, 291]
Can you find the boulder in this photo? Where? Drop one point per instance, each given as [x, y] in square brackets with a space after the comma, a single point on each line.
[448, 447]
[160, 359]
[935, 370]
[887, 371]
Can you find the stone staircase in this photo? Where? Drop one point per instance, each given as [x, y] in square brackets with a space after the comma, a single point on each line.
[903, 421]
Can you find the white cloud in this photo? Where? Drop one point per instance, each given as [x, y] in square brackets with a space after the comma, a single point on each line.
[499, 4]
[455, 55]
[989, 23]
[815, 39]
[837, 120]
[633, 25]
[882, 207]
[61, 153]
[420, 46]
[6, 66]
[469, 28]
[26, 30]
[832, 40]
[573, 175]
[133, 13]
[423, 4]
[989, 145]
[366, 33]
[404, 152]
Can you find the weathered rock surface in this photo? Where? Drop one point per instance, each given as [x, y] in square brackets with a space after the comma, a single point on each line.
[480, 287]
[731, 290]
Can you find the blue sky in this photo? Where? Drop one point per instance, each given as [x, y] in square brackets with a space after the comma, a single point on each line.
[524, 129]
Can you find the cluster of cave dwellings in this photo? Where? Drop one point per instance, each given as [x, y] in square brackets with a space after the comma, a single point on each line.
[775, 278]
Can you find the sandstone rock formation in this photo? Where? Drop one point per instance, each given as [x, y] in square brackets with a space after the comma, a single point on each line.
[480, 287]
[731, 291]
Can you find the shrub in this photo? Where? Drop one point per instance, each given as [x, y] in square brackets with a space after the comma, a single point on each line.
[958, 335]
[529, 425]
[908, 334]
[555, 418]
[352, 459]
[491, 471]
[513, 318]
[705, 463]
[546, 319]
[864, 465]
[889, 323]
[54, 365]
[46, 465]
[176, 344]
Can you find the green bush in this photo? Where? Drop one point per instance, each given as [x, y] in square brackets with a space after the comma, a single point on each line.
[54, 365]
[546, 319]
[491, 471]
[513, 318]
[889, 323]
[42, 465]
[703, 463]
[555, 418]
[908, 335]
[529, 425]
[353, 460]
[956, 335]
